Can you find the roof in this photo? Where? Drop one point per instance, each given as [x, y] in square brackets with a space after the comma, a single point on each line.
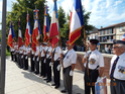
[114, 25]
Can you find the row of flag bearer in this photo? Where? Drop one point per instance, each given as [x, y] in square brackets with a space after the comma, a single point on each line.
[47, 57]
[47, 60]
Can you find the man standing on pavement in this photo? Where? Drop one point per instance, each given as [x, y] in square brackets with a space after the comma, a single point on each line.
[117, 69]
[57, 52]
[94, 66]
[69, 62]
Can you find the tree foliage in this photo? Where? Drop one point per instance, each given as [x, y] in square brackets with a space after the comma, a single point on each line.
[19, 11]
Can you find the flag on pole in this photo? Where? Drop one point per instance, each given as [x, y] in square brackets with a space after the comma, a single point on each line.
[76, 21]
[11, 36]
[20, 39]
[46, 24]
[36, 31]
[54, 27]
[123, 37]
[27, 32]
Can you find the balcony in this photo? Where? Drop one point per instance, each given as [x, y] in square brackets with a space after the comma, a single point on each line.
[107, 35]
[108, 41]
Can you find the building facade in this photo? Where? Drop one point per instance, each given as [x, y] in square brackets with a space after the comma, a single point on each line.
[108, 34]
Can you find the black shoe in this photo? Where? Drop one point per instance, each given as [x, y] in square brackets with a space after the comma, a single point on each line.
[53, 84]
[48, 81]
[63, 91]
[56, 87]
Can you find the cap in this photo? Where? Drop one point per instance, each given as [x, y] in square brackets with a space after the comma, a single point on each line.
[118, 42]
[94, 41]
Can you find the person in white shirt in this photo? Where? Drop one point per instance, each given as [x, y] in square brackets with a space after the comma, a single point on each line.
[69, 62]
[43, 65]
[57, 52]
[37, 57]
[117, 68]
[21, 56]
[94, 66]
[48, 60]
[32, 58]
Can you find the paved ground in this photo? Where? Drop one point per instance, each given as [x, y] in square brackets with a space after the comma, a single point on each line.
[19, 81]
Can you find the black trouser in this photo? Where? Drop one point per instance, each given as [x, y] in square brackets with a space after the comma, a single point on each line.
[56, 73]
[89, 80]
[21, 61]
[15, 55]
[18, 62]
[12, 56]
[67, 79]
[36, 65]
[25, 62]
[48, 70]
[32, 63]
[43, 67]
[117, 87]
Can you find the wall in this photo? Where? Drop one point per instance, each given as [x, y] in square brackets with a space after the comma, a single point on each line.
[107, 58]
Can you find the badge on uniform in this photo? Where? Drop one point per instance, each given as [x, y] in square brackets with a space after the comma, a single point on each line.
[121, 69]
[92, 61]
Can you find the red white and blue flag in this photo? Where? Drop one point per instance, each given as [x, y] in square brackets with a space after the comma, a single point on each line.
[101, 86]
[123, 37]
[54, 27]
[76, 21]
[20, 39]
[36, 31]
[11, 36]
[46, 24]
[28, 32]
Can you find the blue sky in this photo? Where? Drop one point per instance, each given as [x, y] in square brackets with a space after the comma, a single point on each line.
[103, 12]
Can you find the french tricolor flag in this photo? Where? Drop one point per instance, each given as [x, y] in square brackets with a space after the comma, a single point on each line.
[36, 31]
[76, 21]
[123, 37]
[54, 27]
[46, 24]
[28, 32]
[11, 36]
[20, 39]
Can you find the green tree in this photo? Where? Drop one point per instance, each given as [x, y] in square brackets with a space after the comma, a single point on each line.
[19, 10]
[62, 19]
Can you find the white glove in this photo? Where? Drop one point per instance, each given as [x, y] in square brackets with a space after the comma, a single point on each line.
[44, 61]
[37, 58]
[50, 64]
[26, 57]
[71, 73]
[33, 58]
[22, 56]
[59, 67]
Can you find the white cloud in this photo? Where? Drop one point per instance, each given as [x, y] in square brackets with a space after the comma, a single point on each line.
[1, 6]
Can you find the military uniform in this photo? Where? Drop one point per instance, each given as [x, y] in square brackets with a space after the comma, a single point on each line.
[94, 61]
[69, 59]
[117, 71]
[56, 66]
[48, 67]
[32, 57]
[37, 59]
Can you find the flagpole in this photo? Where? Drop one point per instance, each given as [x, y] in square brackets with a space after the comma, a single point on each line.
[3, 50]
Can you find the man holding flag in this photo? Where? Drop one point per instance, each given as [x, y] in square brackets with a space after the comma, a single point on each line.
[69, 61]
[10, 40]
